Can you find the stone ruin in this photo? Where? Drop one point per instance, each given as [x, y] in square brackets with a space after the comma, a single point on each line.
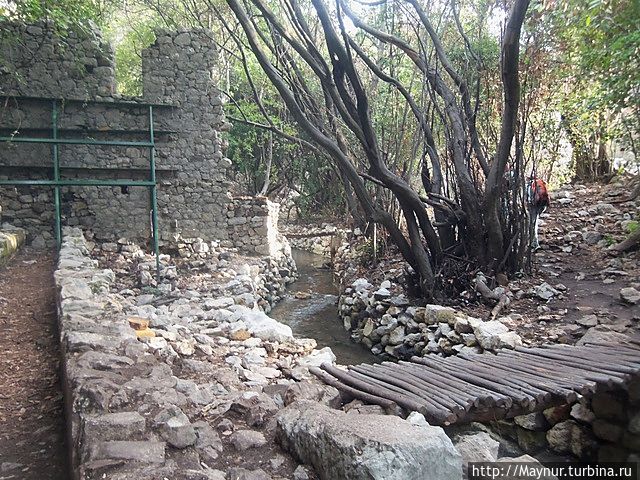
[179, 77]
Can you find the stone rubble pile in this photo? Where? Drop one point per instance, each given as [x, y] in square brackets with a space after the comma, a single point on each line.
[387, 323]
[181, 402]
[251, 280]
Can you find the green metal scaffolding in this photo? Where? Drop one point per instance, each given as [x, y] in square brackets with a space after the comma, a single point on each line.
[55, 141]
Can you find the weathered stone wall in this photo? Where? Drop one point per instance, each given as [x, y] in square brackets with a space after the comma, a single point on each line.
[178, 72]
[149, 405]
[323, 240]
[35, 61]
[603, 428]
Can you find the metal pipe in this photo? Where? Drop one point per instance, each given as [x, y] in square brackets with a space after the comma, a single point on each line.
[57, 182]
[74, 141]
[154, 194]
[56, 173]
[80, 183]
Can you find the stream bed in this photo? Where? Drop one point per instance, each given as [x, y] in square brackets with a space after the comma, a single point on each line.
[317, 316]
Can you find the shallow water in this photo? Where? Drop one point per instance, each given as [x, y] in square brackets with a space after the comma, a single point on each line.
[317, 316]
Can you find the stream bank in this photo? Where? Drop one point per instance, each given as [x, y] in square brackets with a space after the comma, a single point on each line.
[311, 310]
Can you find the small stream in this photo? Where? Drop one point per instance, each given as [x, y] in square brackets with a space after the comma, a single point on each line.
[317, 316]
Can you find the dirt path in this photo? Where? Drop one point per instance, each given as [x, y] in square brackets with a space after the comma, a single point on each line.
[573, 257]
[31, 408]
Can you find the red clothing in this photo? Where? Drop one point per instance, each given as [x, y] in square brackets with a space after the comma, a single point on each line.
[539, 193]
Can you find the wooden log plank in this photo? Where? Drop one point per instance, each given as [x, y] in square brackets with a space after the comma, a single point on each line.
[564, 372]
[519, 397]
[608, 375]
[541, 396]
[463, 397]
[433, 415]
[535, 380]
[491, 374]
[617, 357]
[367, 387]
[565, 368]
[548, 368]
[445, 397]
[355, 393]
[405, 385]
[484, 395]
[433, 412]
[616, 363]
[543, 379]
[563, 359]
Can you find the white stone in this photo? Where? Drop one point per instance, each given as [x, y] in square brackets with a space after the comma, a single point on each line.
[366, 446]
[488, 334]
[317, 357]
[630, 295]
[262, 326]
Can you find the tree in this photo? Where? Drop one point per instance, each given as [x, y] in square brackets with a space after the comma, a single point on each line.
[597, 45]
[292, 52]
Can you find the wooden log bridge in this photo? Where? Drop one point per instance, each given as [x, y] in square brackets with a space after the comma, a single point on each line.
[467, 388]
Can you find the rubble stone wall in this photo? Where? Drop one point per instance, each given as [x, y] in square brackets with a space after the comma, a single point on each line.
[134, 406]
[324, 240]
[605, 427]
[178, 72]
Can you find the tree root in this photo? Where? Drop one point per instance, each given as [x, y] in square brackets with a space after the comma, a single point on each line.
[631, 242]
[502, 299]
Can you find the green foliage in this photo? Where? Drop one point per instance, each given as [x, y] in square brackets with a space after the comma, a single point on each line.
[609, 240]
[66, 14]
[632, 226]
[368, 251]
[128, 52]
[600, 66]
[149, 290]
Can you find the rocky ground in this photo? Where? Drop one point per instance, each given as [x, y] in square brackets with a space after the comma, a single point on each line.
[587, 286]
[199, 389]
[227, 368]
[32, 443]
[578, 287]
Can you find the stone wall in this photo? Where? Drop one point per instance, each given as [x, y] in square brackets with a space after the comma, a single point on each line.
[603, 428]
[178, 72]
[322, 240]
[149, 403]
[35, 61]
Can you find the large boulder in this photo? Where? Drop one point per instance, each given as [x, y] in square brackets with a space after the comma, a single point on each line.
[602, 334]
[477, 447]
[264, 327]
[371, 447]
[493, 335]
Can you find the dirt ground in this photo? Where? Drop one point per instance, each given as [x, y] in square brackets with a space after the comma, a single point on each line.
[589, 275]
[32, 439]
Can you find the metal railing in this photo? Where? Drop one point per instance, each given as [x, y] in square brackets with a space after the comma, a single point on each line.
[57, 182]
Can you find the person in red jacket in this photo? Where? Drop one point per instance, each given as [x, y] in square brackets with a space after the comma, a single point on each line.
[538, 203]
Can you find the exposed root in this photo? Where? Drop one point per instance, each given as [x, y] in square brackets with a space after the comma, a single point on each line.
[629, 244]
[498, 295]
